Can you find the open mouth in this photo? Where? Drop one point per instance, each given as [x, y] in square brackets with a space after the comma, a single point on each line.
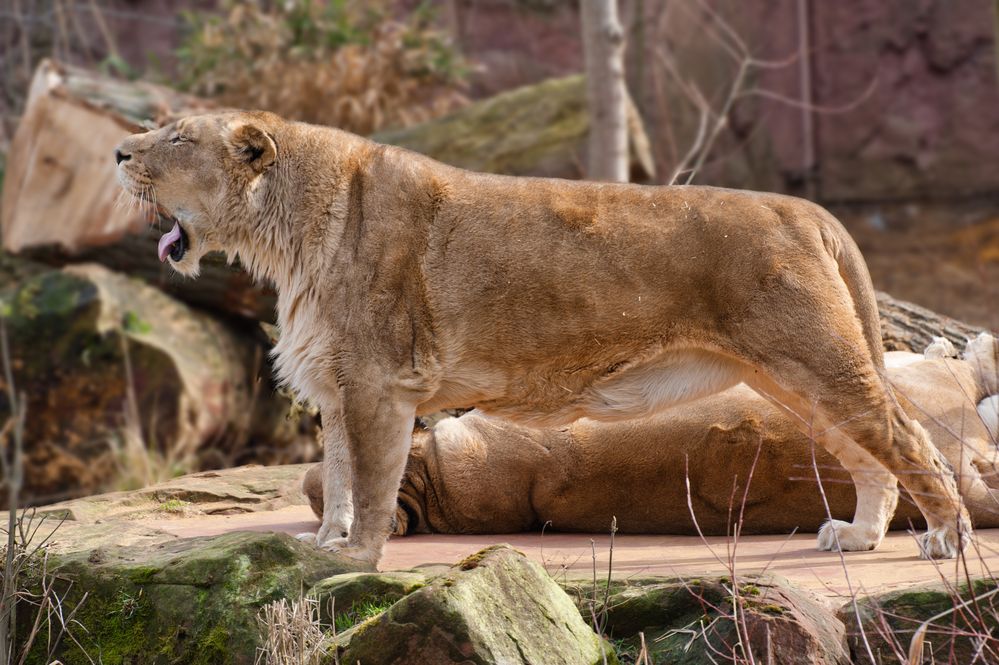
[174, 243]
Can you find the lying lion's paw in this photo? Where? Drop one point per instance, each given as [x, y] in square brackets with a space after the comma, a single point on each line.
[837, 535]
[307, 537]
[941, 543]
[940, 347]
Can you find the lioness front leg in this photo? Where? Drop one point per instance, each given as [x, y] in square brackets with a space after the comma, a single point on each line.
[378, 431]
[338, 506]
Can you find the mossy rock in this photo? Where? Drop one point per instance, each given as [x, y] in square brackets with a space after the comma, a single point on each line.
[537, 130]
[534, 130]
[498, 607]
[192, 601]
[889, 621]
[345, 594]
[688, 622]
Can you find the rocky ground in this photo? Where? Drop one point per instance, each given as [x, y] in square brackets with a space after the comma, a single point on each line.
[177, 573]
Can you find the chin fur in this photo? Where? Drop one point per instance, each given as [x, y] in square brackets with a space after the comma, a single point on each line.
[190, 265]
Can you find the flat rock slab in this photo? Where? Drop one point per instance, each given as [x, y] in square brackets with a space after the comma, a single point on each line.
[268, 499]
[894, 565]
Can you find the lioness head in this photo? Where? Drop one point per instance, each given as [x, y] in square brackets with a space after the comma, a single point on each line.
[200, 172]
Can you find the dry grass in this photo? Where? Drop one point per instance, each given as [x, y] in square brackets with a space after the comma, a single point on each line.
[334, 64]
[25, 552]
[293, 634]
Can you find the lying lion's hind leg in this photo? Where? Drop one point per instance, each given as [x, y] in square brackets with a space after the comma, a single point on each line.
[869, 415]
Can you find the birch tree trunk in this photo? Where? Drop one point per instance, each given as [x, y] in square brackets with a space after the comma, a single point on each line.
[606, 94]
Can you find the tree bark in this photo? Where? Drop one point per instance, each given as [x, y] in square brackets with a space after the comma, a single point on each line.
[603, 47]
[908, 327]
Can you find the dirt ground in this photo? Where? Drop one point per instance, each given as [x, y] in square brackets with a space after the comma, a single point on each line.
[944, 257]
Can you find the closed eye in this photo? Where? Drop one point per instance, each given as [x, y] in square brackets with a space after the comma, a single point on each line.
[178, 139]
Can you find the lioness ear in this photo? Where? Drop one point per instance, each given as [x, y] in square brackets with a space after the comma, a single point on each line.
[250, 145]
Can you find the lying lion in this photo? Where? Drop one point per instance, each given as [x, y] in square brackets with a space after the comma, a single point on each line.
[406, 286]
[477, 474]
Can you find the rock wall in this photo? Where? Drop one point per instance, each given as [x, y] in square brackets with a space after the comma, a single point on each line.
[930, 127]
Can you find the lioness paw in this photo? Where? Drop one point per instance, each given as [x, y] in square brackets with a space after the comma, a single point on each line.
[837, 535]
[332, 544]
[334, 529]
[941, 543]
[307, 537]
[340, 546]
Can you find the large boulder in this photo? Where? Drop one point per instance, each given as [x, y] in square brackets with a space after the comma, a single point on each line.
[352, 596]
[538, 129]
[494, 607]
[701, 621]
[130, 385]
[192, 601]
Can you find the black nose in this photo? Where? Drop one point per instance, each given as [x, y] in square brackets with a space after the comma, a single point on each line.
[120, 157]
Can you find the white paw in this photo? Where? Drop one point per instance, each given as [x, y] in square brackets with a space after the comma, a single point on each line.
[940, 347]
[837, 535]
[988, 411]
[335, 529]
[307, 537]
[941, 543]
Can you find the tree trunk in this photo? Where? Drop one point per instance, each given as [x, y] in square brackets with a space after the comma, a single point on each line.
[603, 46]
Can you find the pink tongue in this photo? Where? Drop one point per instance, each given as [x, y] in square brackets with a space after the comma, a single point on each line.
[167, 241]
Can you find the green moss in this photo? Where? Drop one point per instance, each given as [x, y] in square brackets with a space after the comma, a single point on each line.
[536, 129]
[174, 506]
[359, 613]
[213, 647]
[900, 612]
[769, 608]
[190, 601]
[473, 560]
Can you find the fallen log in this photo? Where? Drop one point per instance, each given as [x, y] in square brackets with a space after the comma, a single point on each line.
[906, 326]
[60, 196]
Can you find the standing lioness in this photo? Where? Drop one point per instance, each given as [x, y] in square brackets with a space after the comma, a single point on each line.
[406, 286]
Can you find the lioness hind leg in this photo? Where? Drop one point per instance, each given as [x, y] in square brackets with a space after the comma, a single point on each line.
[876, 487]
[929, 479]
[858, 408]
[877, 498]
